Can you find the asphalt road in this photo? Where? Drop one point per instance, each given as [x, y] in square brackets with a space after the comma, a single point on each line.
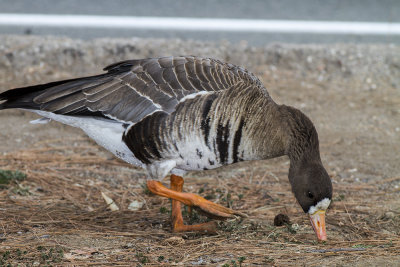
[309, 10]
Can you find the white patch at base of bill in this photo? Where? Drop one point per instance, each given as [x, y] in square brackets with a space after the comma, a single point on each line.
[322, 205]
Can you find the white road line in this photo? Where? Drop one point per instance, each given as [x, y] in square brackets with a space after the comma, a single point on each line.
[202, 24]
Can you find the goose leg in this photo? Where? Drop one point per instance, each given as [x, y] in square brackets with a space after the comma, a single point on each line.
[192, 200]
[177, 220]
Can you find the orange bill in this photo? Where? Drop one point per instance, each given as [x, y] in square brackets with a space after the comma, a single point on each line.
[318, 223]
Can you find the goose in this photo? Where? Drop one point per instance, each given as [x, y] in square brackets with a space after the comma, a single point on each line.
[171, 115]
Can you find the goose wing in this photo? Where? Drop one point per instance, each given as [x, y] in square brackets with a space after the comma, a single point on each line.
[133, 89]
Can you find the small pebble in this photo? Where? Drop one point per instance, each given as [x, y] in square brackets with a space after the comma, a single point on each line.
[135, 205]
[129, 245]
[200, 261]
[174, 240]
[390, 215]
[295, 227]
[216, 260]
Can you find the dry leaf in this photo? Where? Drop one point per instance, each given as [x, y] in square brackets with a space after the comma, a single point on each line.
[110, 202]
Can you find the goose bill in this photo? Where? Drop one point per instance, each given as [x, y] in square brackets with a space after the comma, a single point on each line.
[318, 223]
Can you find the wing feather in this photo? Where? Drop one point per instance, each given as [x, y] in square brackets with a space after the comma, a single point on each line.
[133, 89]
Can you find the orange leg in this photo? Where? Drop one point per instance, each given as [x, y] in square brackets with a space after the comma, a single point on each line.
[192, 200]
[177, 220]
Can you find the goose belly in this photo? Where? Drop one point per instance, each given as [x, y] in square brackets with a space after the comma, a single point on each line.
[195, 155]
[106, 133]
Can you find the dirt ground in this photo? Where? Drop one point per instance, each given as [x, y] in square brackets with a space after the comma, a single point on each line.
[52, 211]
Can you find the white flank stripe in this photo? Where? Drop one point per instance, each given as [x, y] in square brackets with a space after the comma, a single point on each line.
[191, 96]
[40, 121]
[202, 24]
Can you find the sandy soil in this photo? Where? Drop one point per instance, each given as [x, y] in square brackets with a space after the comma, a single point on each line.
[57, 215]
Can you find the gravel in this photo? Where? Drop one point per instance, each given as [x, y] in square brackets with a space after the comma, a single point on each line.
[25, 60]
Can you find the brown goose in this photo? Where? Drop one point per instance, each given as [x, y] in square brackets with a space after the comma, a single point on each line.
[179, 114]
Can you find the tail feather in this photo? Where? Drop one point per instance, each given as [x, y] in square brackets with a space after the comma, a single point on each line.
[31, 97]
[23, 97]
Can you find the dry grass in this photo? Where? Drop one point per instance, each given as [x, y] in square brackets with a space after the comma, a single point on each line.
[57, 216]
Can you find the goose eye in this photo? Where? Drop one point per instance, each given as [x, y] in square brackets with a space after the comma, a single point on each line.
[310, 195]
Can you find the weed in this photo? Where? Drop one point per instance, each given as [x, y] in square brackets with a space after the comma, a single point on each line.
[231, 226]
[142, 258]
[53, 255]
[362, 246]
[269, 259]
[20, 190]
[340, 197]
[229, 200]
[194, 217]
[7, 176]
[241, 260]
[291, 229]
[146, 190]
[211, 195]
[160, 258]
[59, 255]
[45, 256]
[387, 245]
[185, 211]
[6, 255]
[163, 210]
[274, 236]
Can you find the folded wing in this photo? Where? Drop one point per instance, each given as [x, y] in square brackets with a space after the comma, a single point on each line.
[131, 90]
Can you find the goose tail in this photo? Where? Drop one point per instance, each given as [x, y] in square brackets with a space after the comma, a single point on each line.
[24, 97]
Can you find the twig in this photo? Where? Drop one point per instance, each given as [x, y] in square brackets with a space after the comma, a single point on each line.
[387, 180]
[349, 216]
[273, 175]
[263, 208]
[336, 250]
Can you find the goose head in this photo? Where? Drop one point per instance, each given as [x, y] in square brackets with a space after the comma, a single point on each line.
[310, 182]
[312, 188]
